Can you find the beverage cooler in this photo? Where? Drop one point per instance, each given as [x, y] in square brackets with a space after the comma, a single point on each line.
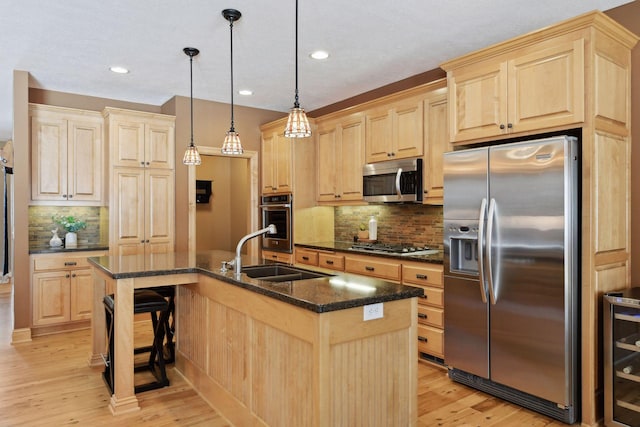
[622, 357]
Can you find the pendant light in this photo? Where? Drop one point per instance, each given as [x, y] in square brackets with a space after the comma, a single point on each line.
[191, 156]
[297, 124]
[231, 143]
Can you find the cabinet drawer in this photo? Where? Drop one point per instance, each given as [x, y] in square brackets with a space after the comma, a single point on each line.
[430, 316]
[304, 256]
[332, 261]
[422, 275]
[430, 340]
[64, 262]
[372, 267]
[432, 296]
[278, 256]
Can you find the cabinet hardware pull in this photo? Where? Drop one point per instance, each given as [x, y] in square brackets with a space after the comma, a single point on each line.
[501, 126]
[67, 263]
[147, 163]
[73, 275]
[66, 276]
[274, 256]
[510, 125]
[64, 196]
[422, 315]
[369, 268]
[71, 196]
[329, 262]
[424, 296]
[421, 276]
[423, 339]
[306, 258]
[142, 163]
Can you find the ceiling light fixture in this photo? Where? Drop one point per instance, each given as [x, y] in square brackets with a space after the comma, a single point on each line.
[191, 155]
[119, 70]
[231, 143]
[245, 92]
[297, 124]
[319, 54]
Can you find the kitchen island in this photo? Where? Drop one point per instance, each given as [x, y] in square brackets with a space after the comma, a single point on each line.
[333, 350]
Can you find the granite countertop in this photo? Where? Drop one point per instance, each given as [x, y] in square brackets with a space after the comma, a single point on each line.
[337, 291]
[46, 249]
[435, 258]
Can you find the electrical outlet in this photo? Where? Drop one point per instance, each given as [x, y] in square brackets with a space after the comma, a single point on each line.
[373, 311]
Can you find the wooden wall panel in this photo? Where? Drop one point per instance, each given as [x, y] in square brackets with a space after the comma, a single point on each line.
[191, 316]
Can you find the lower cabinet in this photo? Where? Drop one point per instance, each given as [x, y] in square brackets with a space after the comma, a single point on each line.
[320, 258]
[61, 289]
[277, 256]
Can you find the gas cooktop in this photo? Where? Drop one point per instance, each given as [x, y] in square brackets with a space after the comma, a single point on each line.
[393, 249]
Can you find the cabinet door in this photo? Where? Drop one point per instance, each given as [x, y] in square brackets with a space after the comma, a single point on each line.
[81, 294]
[159, 145]
[85, 159]
[477, 101]
[51, 298]
[349, 177]
[327, 168]
[48, 158]
[128, 210]
[407, 139]
[436, 144]
[546, 87]
[268, 163]
[159, 210]
[378, 135]
[127, 139]
[284, 159]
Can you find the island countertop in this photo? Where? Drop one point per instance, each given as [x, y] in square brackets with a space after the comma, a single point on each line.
[337, 291]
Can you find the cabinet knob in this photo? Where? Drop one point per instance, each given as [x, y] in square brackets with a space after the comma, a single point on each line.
[306, 258]
[510, 125]
[73, 275]
[142, 241]
[421, 276]
[147, 241]
[368, 268]
[147, 163]
[66, 275]
[423, 339]
[142, 163]
[501, 126]
[329, 262]
[64, 196]
[71, 196]
[422, 315]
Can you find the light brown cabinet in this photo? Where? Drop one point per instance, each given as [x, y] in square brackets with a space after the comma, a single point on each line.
[277, 161]
[67, 156]
[340, 157]
[430, 278]
[394, 130]
[62, 289]
[530, 89]
[277, 256]
[436, 143]
[382, 268]
[141, 208]
[320, 258]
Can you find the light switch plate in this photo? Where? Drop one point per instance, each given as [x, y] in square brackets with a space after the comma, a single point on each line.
[373, 311]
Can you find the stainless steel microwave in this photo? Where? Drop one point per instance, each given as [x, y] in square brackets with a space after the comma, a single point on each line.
[393, 181]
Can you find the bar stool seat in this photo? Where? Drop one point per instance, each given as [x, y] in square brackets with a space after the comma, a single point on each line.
[169, 293]
[145, 301]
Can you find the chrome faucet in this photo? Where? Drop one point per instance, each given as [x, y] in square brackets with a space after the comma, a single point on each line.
[237, 264]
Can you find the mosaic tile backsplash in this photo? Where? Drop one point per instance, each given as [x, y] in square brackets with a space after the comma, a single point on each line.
[411, 224]
[41, 224]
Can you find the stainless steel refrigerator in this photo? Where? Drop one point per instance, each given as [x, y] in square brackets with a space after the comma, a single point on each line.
[511, 256]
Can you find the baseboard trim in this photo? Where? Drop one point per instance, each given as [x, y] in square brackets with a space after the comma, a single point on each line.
[21, 335]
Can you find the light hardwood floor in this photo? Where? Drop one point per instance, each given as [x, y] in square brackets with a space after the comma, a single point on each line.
[47, 383]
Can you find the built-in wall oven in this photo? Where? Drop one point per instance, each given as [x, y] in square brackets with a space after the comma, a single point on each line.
[276, 210]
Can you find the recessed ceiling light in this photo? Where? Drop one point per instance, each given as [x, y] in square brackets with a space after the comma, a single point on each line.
[319, 54]
[245, 92]
[119, 70]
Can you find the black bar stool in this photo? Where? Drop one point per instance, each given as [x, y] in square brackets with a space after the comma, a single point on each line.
[145, 301]
[169, 293]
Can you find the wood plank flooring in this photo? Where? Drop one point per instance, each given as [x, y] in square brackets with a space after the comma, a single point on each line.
[47, 383]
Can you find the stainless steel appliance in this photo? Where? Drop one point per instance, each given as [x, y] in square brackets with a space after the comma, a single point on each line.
[393, 249]
[277, 210]
[511, 257]
[393, 181]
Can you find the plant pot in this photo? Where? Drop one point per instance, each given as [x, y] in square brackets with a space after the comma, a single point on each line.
[70, 240]
[364, 234]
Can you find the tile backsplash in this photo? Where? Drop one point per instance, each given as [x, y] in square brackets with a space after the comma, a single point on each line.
[41, 224]
[412, 224]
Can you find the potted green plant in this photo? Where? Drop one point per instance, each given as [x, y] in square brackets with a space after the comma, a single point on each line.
[363, 233]
[72, 225]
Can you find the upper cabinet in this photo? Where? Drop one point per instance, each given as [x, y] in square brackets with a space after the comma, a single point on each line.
[436, 143]
[140, 139]
[394, 130]
[67, 156]
[340, 157]
[539, 86]
[277, 159]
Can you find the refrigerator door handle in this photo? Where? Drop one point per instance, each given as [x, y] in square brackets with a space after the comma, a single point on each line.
[489, 241]
[398, 189]
[483, 290]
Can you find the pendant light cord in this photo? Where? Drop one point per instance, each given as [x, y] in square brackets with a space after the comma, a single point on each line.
[191, 83]
[231, 33]
[296, 103]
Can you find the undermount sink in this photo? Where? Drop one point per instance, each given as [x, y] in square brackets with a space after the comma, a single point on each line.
[279, 273]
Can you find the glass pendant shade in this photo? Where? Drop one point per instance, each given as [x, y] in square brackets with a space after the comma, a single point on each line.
[191, 156]
[297, 124]
[232, 143]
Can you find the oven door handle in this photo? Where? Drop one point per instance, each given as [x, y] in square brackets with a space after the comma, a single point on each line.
[285, 205]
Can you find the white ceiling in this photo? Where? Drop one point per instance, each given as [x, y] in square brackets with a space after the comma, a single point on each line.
[68, 45]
